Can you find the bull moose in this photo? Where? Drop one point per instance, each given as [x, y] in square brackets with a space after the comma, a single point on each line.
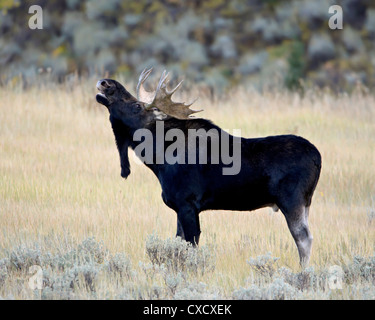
[276, 171]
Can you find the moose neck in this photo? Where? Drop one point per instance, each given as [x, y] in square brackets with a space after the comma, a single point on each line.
[123, 133]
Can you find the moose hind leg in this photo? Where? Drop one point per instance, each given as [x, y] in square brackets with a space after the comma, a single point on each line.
[299, 228]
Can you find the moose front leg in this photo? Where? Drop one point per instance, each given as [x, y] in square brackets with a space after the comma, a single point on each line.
[180, 231]
[188, 225]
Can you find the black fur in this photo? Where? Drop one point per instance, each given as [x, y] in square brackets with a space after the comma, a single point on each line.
[277, 170]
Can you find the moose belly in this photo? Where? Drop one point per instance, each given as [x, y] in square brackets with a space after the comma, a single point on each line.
[242, 197]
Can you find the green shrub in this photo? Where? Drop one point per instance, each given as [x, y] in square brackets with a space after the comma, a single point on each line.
[296, 66]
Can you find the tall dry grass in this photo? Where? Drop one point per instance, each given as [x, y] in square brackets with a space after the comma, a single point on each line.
[60, 178]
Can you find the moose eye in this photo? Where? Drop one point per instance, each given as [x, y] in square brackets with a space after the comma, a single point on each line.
[136, 108]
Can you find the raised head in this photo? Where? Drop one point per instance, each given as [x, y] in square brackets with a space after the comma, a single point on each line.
[112, 92]
[147, 106]
[121, 104]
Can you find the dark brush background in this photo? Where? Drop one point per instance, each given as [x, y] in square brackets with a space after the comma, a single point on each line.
[214, 43]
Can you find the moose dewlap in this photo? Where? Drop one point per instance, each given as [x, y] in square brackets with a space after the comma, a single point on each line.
[202, 167]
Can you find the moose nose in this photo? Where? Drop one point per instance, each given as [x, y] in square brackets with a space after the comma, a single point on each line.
[102, 84]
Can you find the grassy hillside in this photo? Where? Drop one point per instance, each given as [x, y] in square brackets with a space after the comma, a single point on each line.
[60, 188]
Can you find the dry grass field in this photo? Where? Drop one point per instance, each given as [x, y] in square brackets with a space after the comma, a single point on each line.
[61, 193]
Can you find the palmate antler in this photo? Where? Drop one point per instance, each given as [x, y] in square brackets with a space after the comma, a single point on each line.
[161, 98]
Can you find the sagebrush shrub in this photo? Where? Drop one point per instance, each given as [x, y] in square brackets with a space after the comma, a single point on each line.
[178, 255]
[174, 271]
[22, 257]
[196, 291]
[120, 264]
[3, 270]
[278, 289]
[265, 265]
[360, 269]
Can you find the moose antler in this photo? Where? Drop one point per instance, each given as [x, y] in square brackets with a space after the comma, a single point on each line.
[161, 98]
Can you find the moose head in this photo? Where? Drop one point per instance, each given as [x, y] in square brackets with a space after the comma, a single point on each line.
[148, 106]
